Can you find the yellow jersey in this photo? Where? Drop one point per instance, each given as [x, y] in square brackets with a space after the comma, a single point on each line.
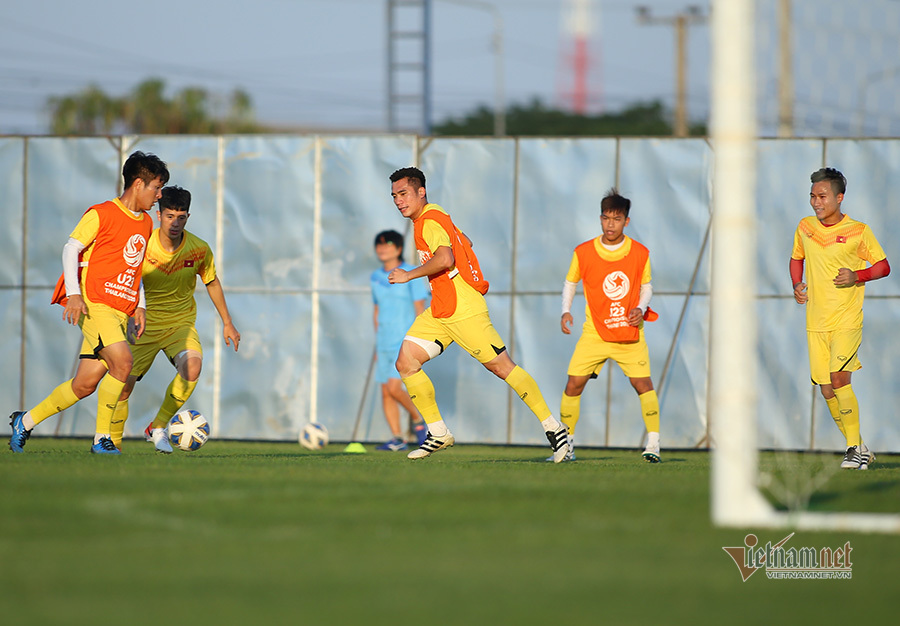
[826, 249]
[170, 279]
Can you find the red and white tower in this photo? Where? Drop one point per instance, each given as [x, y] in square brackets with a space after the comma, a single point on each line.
[580, 91]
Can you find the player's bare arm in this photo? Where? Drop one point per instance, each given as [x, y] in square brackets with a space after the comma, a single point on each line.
[441, 260]
[140, 322]
[217, 295]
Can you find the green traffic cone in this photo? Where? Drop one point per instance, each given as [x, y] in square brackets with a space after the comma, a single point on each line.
[355, 448]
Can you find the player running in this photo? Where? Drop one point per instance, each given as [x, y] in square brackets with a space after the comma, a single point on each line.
[458, 312]
[836, 249]
[615, 270]
[174, 260]
[101, 289]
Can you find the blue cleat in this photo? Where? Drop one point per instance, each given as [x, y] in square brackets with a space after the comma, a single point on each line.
[105, 446]
[19, 433]
[394, 445]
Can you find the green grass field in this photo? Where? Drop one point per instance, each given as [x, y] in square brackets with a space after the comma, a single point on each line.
[258, 533]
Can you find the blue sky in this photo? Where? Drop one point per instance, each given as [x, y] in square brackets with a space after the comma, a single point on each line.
[321, 64]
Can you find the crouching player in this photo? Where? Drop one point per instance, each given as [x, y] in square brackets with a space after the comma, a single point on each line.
[172, 263]
[615, 270]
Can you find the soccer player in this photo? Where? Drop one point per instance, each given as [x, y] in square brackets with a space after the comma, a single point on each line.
[615, 270]
[836, 249]
[174, 260]
[396, 307]
[101, 289]
[458, 312]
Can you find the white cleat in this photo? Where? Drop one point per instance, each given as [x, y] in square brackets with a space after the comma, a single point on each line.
[160, 438]
[559, 443]
[852, 459]
[570, 456]
[431, 445]
[651, 454]
[866, 457]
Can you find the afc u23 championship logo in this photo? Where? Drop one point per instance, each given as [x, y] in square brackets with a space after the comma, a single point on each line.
[616, 285]
[134, 250]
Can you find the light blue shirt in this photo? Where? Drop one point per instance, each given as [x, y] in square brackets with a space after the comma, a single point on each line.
[396, 312]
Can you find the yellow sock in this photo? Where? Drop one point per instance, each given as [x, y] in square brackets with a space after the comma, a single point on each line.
[836, 414]
[421, 391]
[650, 410]
[108, 392]
[523, 384]
[59, 399]
[570, 411]
[176, 395]
[849, 410]
[117, 425]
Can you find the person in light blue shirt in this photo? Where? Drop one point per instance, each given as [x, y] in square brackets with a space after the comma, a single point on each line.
[396, 307]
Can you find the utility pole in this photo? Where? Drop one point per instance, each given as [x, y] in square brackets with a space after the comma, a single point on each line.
[786, 72]
[497, 46]
[690, 16]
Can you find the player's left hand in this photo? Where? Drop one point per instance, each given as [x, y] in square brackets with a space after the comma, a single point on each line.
[845, 278]
[232, 336]
[635, 316]
[136, 325]
[398, 276]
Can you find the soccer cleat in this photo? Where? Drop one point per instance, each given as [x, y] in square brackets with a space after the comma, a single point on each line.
[559, 443]
[431, 445]
[160, 439]
[148, 432]
[394, 445]
[867, 457]
[105, 446]
[421, 431]
[651, 454]
[19, 433]
[571, 454]
[852, 459]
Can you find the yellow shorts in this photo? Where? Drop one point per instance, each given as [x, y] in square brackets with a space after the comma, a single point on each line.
[833, 351]
[172, 341]
[476, 335]
[102, 326]
[591, 352]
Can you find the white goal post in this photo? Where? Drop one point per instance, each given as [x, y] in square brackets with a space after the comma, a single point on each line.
[732, 400]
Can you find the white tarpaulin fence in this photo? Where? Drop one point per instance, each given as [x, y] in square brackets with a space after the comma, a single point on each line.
[292, 218]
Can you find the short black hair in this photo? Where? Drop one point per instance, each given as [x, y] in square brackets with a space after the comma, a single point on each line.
[390, 236]
[414, 174]
[613, 202]
[838, 181]
[145, 166]
[176, 199]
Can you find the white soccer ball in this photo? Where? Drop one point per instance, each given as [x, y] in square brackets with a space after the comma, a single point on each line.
[188, 430]
[314, 436]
